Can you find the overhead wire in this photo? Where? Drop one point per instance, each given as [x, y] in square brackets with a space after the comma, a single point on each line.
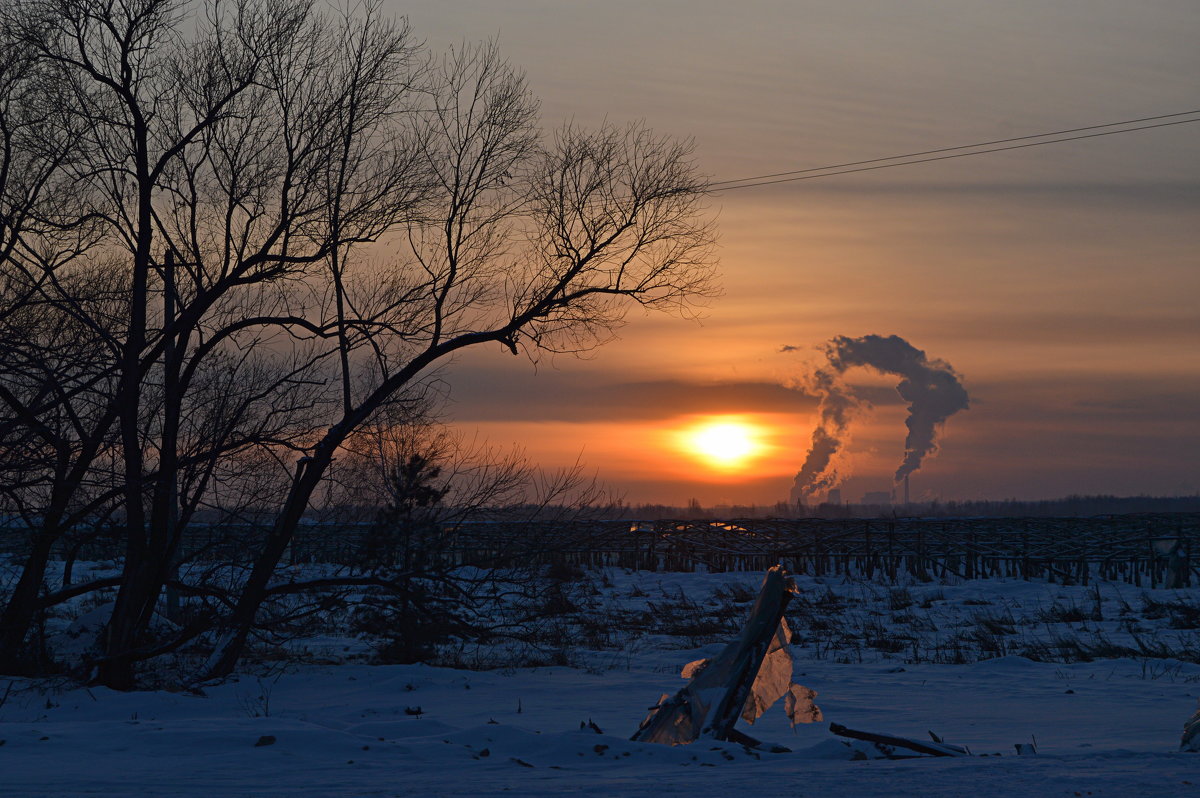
[967, 146]
[962, 151]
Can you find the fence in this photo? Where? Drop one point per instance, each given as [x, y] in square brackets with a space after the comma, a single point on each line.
[1154, 550]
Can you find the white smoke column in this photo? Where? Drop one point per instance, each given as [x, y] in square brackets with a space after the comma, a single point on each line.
[837, 407]
[931, 387]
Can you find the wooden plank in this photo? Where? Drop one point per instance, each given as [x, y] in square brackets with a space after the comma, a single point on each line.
[920, 746]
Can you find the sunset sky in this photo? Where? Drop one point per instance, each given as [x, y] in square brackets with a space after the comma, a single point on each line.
[1061, 282]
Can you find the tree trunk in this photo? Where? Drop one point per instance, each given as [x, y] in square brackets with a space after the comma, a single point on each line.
[23, 607]
[117, 669]
[229, 649]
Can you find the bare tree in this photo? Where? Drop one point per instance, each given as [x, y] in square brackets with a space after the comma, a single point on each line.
[56, 443]
[303, 215]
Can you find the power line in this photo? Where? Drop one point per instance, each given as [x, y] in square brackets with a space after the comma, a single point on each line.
[974, 149]
[965, 146]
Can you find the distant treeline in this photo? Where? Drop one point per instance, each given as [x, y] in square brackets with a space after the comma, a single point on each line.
[1070, 506]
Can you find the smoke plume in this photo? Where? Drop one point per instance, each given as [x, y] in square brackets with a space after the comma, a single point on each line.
[931, 387]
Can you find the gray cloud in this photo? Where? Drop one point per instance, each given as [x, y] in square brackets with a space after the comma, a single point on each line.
[1150, 326]
[497, 394]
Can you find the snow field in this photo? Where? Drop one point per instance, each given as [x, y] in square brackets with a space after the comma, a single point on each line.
[1109, 726]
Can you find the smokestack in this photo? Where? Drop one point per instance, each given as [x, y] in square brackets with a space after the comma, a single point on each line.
[906, 490]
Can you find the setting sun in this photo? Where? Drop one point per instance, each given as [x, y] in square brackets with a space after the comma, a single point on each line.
[724, 444]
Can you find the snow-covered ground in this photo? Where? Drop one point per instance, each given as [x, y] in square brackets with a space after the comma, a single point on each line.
[1107, 727]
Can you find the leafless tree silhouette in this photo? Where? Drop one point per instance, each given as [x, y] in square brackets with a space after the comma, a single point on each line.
[233, 233]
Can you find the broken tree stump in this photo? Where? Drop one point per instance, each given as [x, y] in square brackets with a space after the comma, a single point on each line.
[1191, 734]
[746, 678]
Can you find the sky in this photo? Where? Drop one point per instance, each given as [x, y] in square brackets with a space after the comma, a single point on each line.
[1060, 283]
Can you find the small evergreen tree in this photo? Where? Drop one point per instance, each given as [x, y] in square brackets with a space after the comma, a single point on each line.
[406, 531]
[405, 543]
